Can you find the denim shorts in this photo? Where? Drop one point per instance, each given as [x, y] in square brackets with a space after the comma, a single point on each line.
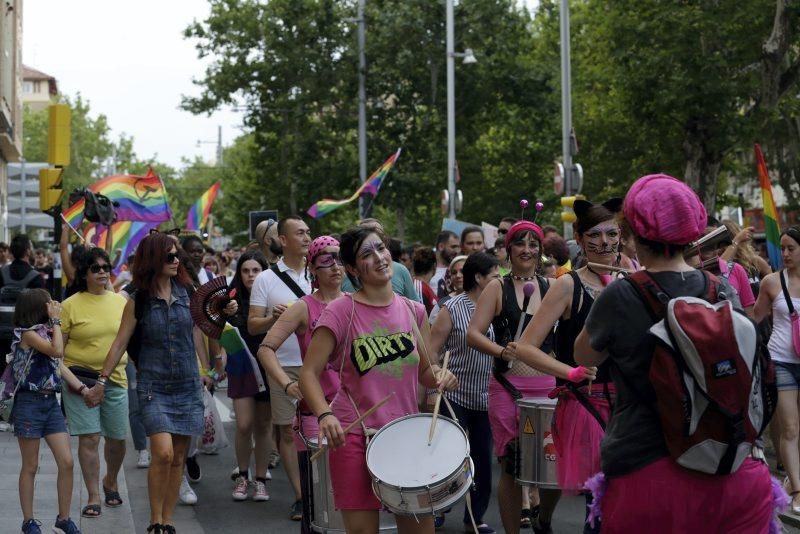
[37, 415]
[787, 376]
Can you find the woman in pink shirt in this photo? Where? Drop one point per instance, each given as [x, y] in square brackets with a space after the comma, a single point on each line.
[370, 337]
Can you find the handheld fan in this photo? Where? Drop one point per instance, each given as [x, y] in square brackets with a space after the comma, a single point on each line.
[207, 304]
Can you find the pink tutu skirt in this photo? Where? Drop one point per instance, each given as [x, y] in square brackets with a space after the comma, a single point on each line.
[503, 409]
[577, 436]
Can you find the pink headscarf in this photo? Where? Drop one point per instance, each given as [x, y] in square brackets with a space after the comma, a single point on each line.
[318, 245]
[663, 209]
[521, 227]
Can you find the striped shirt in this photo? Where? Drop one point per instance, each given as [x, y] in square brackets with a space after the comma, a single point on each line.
[471, 367]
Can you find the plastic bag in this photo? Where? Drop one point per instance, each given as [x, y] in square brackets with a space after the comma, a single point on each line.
[214, 438]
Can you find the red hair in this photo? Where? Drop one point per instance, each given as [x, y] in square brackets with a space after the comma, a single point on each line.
[151, 255]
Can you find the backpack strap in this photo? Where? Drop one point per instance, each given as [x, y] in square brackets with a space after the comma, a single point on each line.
[784, 288]
[286, 279]
[30, 277]
[654, 297]
[5, 274]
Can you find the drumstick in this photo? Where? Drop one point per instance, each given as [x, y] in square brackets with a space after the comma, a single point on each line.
[352, 425]
[609, 267]
[438, 399]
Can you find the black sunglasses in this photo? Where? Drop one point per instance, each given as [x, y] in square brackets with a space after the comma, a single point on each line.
[171, 257]
[96, 268]
[501, 231]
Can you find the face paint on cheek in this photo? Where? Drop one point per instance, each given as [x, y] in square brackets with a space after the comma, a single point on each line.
[371, 250]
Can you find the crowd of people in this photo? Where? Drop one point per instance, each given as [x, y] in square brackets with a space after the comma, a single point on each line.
[335, 323]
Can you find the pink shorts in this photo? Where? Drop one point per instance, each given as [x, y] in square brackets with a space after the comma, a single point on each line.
[577, 436]
[305, 426]
[352, 484]
[503, 410]
[663, 498]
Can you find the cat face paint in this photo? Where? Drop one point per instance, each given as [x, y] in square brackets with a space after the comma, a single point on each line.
[601, 242]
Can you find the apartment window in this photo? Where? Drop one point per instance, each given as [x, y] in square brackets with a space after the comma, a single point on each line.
[27, 87]
[37, 87]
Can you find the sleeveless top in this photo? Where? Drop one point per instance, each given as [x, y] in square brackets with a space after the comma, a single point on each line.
[781, 347]
[568, 330]
[505, 324]
[329, 378]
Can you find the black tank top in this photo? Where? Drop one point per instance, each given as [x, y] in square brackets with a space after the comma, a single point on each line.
[568, 330]
[505, 325]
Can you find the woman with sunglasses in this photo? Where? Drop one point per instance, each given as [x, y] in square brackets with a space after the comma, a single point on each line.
[325, 267]
[507, 306]
[169, 382]
[90, 320]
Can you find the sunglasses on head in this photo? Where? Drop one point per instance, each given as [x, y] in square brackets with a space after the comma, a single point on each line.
[327, 260]
[171, 257]
[97, 267]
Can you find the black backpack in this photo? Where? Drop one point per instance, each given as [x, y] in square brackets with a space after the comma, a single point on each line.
[8, 298]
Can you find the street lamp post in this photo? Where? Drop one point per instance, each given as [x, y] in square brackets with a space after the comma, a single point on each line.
[218, 142]
[364, 203]
[469, 57]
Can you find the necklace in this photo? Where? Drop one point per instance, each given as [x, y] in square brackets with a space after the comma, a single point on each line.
[523, 278]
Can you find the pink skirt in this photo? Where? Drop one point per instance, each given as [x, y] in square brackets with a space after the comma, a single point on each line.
[577, 436]
[352, 485]
[305, 427]
[503, 410]
[663, 498]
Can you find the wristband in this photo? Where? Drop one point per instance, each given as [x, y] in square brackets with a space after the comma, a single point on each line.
[322, 416]
[576, 374]
[101, 381]
[55, 322]
[80, 389]
[286, 387]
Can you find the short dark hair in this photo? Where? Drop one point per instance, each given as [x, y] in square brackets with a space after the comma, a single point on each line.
[445, 236]
[548, 228]
[85, 262]
[591, 217]
[511, 220]
[20, 245]
[424, 260]
[479, 263]
[3, 245]
[191, 239]
[31, 308]
[660, 249]
[793, 232]
[395, 248]
[242, 293]
[556, 248]
[284, 220]
[470, 230]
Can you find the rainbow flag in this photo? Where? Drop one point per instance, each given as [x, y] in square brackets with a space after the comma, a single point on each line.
[125, 236]
[198, 213]
[240, 360]
[140, 198]
[773, 229]
[371, 186]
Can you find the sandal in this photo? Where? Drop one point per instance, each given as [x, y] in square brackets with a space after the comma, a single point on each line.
[795, 507]
[91, 511]
[112, 498]
[156, 528]
[525, 518]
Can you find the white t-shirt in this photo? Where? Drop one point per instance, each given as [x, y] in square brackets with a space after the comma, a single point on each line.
[269, 291]
[434, 283]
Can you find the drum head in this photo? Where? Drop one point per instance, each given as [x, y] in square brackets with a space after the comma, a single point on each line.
[399, 453]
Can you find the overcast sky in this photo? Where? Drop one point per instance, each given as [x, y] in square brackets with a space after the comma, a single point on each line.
[130, 60]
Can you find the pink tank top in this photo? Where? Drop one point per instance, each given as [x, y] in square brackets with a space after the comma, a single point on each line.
[329, 379]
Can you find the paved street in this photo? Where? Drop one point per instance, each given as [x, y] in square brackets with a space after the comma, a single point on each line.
[215, 511]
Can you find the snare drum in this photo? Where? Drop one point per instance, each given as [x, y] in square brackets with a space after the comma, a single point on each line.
[325, 517]
[537, 454]
[411, 477]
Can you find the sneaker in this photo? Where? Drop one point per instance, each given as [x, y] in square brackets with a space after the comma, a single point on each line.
[268, 476]
[260, 493]
[31, 526]
[5, 427]
[274, 459]
[235, 473]
[65, 526]
[193, 469]
[240, 489]
[438, 521]
[296, 513]
[187, 494]
[143, 462]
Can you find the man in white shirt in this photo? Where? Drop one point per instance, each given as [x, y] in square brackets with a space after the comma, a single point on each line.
[448, 247]
[271, 295]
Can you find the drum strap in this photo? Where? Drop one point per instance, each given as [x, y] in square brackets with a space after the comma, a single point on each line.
[586, 403]
[507, 385]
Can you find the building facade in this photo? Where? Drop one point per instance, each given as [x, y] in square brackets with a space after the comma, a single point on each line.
[10, 99]
[39, 90]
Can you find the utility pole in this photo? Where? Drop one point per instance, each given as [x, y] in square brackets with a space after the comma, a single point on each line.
[219, 146]
[364, 200]
[566, 109]
[451, 109]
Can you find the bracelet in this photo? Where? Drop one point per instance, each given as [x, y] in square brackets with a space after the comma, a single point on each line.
[734, 243]
[55, 322]
[322, 416]
[80, 389]
[286, 387]
[101, 381]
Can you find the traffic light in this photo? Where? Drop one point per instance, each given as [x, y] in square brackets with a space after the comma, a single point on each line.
[50, 188]
[59, 135]
[568, 216]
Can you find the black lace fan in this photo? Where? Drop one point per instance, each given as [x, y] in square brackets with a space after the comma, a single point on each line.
[207, 304]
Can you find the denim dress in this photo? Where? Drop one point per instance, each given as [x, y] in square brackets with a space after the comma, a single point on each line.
[169, 387]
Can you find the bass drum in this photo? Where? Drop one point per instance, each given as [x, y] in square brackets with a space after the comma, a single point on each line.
[325, 517]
